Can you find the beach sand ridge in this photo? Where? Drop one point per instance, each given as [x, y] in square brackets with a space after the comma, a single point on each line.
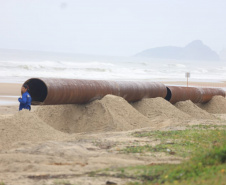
[69, 141]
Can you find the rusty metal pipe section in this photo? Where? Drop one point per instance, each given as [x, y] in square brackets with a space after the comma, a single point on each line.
[208, 93]
[196, 95]
[52, 91]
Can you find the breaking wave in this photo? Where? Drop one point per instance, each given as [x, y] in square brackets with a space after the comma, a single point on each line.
[18, 71]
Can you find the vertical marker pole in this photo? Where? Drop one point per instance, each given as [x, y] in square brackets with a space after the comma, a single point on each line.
[187, 81]
[187, 74]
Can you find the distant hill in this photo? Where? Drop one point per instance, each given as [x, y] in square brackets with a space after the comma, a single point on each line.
[223, 55]
[195, 50]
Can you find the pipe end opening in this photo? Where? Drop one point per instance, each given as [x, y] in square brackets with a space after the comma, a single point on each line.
[37, 89]
[168, 95]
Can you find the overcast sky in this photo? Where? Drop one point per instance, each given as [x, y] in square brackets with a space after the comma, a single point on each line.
[110, 27]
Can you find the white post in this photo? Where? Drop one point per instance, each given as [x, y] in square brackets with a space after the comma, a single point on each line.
[187, 75]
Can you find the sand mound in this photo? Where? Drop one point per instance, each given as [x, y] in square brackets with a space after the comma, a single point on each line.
[159, 108]
[8, 110]
[217, 105]
[193, 110]
[111, 113]
[25, 126]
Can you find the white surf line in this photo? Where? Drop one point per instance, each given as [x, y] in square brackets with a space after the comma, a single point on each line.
[3, 96]
[3, 102]
[9, 100]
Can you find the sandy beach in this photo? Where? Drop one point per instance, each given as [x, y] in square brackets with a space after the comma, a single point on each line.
[10, 89]
[9, 94]
[112, 92]
[70, 141]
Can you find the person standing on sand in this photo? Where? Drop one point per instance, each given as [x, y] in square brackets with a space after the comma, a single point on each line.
[25, 101]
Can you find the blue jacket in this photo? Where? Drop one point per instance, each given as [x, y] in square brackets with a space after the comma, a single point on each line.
[25, 101]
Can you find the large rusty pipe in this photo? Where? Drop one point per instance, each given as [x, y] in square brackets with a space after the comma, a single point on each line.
[51, 91]
[208, 93]
[196, 95]
[177, 93]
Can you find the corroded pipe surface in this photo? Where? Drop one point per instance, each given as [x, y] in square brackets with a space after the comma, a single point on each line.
[196, 95]
[208, 93]
[51, 91]
[176, 94]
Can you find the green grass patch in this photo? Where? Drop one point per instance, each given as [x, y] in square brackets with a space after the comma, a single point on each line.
[204, 168]
[205, 146]
[208, 126]
[180, 142]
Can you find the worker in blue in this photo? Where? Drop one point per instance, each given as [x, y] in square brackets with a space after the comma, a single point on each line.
[25, 101]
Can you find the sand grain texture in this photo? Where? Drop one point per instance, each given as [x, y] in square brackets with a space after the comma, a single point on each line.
[159, 109]
[217, 105]
[25, 126]
[47, 145]
[193, 110]
[9, 109]
[111, 113]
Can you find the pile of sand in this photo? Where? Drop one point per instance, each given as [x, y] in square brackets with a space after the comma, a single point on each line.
[25, 126]
[193, 110]
[9, 109]
[111, 113]
[217, 105]
[159, 108]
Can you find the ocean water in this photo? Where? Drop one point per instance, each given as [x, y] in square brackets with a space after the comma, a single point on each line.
[110, 68]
